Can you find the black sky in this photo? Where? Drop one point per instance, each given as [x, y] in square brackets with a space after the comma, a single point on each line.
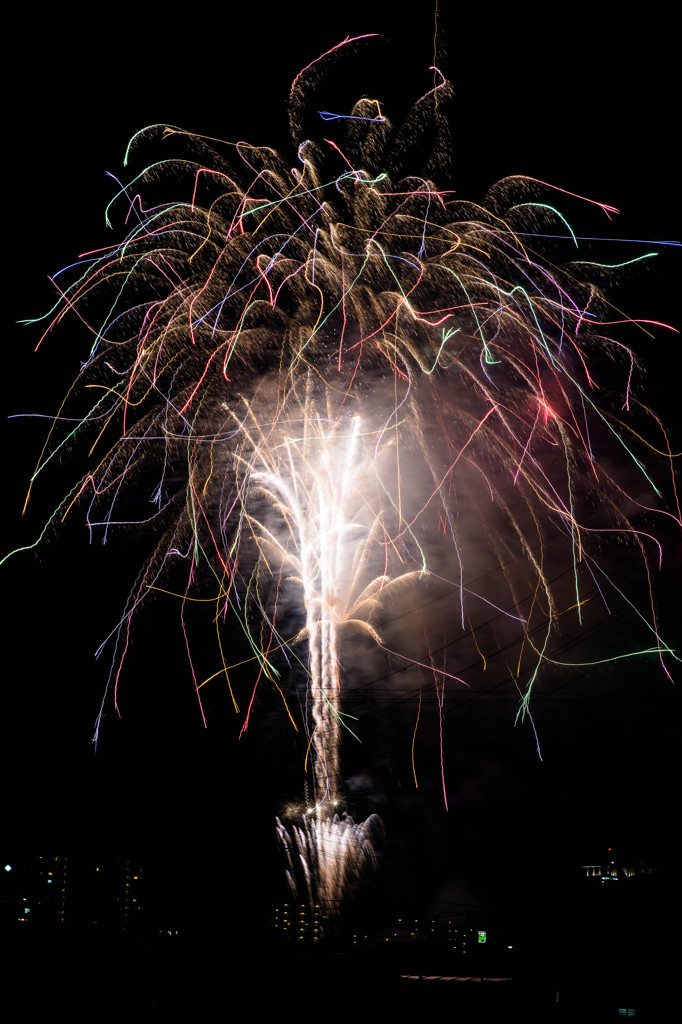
[587, 105]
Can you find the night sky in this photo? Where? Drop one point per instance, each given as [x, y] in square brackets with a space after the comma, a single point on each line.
[586, 107]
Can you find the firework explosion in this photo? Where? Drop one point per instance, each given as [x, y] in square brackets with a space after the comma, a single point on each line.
[320, 378]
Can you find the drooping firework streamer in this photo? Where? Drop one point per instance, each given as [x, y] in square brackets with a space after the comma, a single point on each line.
[335, 382]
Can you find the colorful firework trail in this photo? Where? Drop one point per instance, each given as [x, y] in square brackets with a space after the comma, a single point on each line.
[327, 385]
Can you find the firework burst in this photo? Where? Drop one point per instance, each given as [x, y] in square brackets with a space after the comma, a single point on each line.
[317, 384]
